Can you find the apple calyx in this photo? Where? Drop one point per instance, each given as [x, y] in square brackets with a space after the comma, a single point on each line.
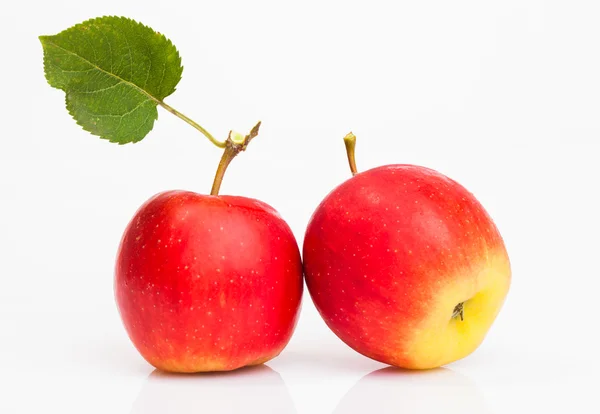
[234, 144]
[459, 311]
[350, 142]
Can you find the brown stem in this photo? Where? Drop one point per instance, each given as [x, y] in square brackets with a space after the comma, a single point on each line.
[459, 310]
[234, 144]
[350, 142]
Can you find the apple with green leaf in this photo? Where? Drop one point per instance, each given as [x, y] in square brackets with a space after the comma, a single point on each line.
[203, 282]
[405, 265]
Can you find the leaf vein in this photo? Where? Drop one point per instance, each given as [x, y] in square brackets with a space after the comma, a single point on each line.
[162, 78]
[110, 52]
[123, 115]
[94, 66]
[99, 90]
[149, 68]
[130, 57]
[70, 71]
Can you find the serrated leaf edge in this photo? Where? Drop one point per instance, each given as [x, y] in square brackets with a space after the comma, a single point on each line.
[46, 40]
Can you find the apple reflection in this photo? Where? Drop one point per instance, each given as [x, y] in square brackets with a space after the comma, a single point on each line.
[257, 389]
[392, 390]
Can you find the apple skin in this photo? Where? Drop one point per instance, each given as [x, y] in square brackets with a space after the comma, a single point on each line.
[389, 254]
[208, 283]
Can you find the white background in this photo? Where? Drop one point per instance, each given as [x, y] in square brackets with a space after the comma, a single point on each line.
[502, 96]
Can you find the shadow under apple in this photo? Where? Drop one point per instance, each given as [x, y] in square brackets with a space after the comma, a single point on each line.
[257, 389]
[393, 390]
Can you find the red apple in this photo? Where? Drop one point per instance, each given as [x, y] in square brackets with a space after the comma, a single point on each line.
[208, 283]
[406, 266]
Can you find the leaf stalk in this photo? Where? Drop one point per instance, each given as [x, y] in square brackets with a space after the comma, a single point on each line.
[220, 144]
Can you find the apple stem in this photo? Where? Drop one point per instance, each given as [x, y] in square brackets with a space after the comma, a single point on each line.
[350, 142]
[459, 311]
[234, 144]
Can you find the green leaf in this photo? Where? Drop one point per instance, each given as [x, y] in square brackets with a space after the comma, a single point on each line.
[114, 72]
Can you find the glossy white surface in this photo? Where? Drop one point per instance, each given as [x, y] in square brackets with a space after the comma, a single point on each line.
[501, 96]
[96, 377]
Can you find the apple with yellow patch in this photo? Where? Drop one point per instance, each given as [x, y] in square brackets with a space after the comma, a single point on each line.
[405, 265]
